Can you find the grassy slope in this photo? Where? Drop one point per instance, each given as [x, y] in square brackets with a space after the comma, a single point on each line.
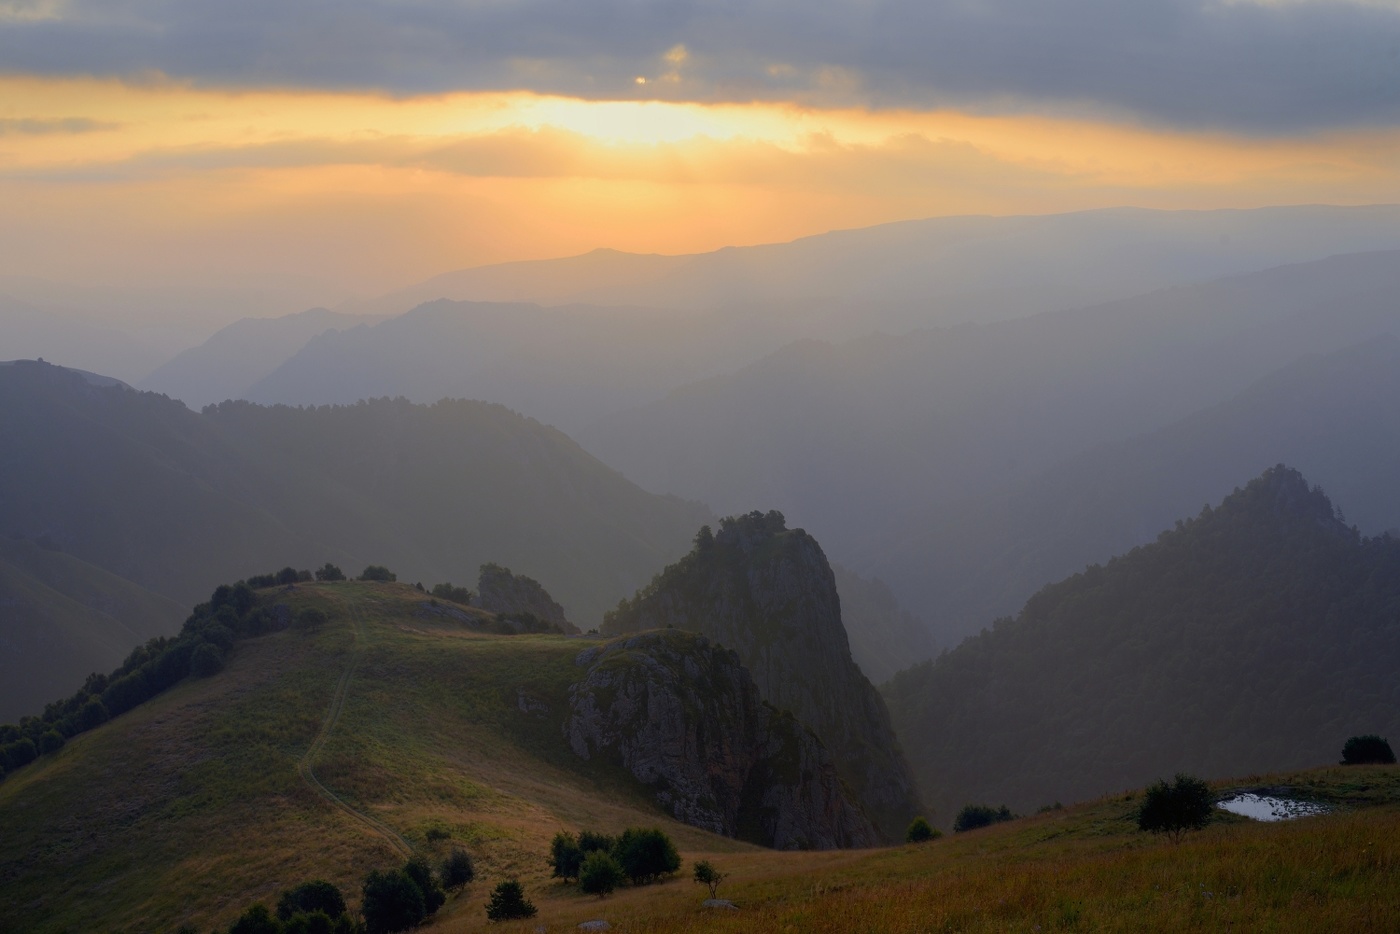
[190, 807]
[1083, 868]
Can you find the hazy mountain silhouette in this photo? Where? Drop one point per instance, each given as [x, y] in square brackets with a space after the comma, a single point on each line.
[566, 366]
[1334, 415]
[236, 357]
[856, 438]
[1254, 638]
[176, 502]
[940, 270]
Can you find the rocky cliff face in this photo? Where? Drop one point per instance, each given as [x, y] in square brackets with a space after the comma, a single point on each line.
[768, 593]
[505, 594]
[683, 716]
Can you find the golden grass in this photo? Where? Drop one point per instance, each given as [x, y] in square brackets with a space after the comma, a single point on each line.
[190, 808]
[1082, 869]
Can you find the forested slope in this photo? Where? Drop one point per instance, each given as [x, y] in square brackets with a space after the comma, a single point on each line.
[1255, 637]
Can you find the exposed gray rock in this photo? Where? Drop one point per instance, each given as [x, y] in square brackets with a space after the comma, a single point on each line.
[721, 903]
[684, 716]
[768, 593]
[596, 925]
[506, 594]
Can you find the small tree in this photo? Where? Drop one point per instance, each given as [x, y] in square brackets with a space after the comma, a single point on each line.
[1176, 808]
[508, 902]
[457, 870]
[708, 875]
[600, 874]
[646, 855]
[565, 856]
[421, 873]
[330, 573]
[377, 572]
[1367, 750]
[392, 902]
[920, 831]
[590, 840]
[311, 897]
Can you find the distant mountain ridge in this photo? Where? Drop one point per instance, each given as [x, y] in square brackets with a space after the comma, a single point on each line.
[175, 502]
[940, 270]
[236, 357]
[884, 445]
[1333, 415]
[1253, 638]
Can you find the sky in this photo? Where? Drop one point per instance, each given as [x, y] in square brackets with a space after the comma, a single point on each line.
[342, 148]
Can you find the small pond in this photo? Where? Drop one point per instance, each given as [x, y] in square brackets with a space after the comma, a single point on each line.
[1270, 807]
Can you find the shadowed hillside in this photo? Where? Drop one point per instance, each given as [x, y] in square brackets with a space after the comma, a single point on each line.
[175, 502]
[1251, 638]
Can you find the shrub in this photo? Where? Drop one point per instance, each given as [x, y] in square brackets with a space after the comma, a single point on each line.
[455, 594]
[708, 876]
[377, 572]
[1367, 750]
[974, 816]
[1176, 808]
[256, 920]
[421, 873]
[590, 840]
[312, 619]
[330, 573]
[206, 661]
[508, 902]
[600, 874]
[920, 831]
[646, 855]
[312, 922]
[566, 856]
[457, 870]
[18, 754]
[51, 742]
[311, 897]
[392, 902]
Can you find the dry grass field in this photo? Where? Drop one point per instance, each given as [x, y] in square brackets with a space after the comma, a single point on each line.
[191, 807]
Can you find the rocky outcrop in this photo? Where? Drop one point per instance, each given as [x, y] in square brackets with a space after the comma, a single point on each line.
[768, 593]
[684, 717]
[515, 595]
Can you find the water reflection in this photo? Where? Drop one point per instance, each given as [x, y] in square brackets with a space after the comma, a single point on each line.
[1269, 807]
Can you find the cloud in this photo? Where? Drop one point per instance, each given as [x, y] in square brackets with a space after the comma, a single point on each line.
[1264, 66]
[30, 126]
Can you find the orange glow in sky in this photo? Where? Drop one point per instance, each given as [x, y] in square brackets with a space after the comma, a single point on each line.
[352, 193]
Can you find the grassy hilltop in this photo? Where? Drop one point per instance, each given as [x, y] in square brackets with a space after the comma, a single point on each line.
[191, 806]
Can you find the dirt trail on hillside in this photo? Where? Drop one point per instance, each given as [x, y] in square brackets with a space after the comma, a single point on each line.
[304, 766]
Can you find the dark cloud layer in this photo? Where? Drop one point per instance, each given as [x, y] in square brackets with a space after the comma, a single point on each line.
[1264, 67]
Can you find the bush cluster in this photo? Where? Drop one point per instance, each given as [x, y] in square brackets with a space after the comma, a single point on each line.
[1367, 750]
[601, 863]
[310, 908]
[974, 816]
[394, 900]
